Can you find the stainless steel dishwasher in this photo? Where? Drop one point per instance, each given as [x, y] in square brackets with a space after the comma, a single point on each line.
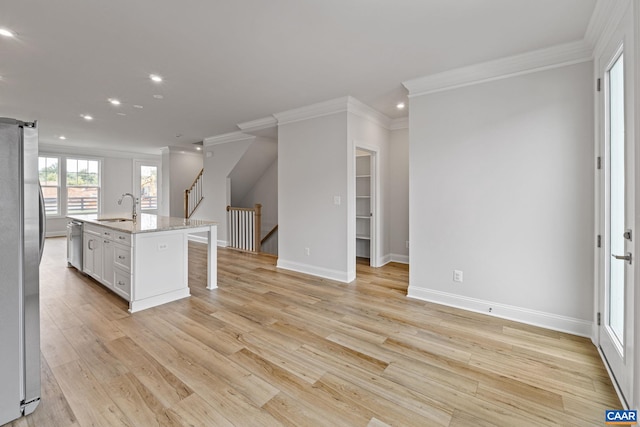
[74, 244]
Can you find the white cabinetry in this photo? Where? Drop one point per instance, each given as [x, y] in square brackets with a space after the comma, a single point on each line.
[363, 205]
[107, 258]
[92, 251]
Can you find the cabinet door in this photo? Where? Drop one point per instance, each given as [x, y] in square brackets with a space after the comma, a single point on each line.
[97, 260]
[107, 262]
[88, 244]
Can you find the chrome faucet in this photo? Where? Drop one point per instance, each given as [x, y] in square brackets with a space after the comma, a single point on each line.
[134, 214]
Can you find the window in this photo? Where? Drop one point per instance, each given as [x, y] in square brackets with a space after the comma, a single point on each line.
[148, 187]
[49, 174]
[83, 186]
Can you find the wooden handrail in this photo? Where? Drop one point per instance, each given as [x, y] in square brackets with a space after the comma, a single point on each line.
[190, 206]
[273, 230]
[196, 180]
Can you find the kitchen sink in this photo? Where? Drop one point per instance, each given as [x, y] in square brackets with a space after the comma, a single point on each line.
[114, 219]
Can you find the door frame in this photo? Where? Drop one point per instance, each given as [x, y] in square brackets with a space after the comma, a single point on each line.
[623, 40]
[137, 163]
[374, 260]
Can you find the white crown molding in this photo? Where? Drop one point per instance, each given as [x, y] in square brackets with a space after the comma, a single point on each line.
[538, 60]
[181, 150]
[259, 124]
[226, 138]
[363, 110]
[96, 152]
[400, 123]
[313, 111]
[606, 18]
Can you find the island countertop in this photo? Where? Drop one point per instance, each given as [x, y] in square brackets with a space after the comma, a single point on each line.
[145, 223]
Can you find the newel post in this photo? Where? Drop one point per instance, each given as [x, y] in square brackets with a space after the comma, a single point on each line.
[258, 240]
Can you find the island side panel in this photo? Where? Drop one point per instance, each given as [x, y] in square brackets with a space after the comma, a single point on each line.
[160, 268]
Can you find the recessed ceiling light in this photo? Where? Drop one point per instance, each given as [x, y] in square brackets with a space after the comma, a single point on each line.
[158, 96]
[198, 148]
[400, 106]
[138, 106]
[114, 101]
[86, 117]
[62, 137]
[155, 78]
[7, 33]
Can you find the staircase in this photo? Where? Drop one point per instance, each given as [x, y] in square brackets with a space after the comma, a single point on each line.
[193, 195]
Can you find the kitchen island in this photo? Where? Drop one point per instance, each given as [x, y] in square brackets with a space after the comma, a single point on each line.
[146, 261]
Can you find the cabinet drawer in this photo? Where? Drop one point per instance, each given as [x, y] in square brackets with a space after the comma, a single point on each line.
[122, 257]
[122, 283]
[122, 238]
[92, 229]
[117, 236]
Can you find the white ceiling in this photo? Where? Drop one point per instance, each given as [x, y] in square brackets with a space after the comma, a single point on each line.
[232, 61]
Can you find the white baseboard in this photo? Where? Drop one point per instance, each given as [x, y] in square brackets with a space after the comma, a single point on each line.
[56, 234]
[340, 276]
[384, 260]
[205, 239]
[198, 239]
[518, 314]
[402, 259]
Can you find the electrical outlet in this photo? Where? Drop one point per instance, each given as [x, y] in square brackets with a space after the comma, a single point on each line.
[457, 276]
[406, 244]
[307, 251]
[336, 200]
[162, 246]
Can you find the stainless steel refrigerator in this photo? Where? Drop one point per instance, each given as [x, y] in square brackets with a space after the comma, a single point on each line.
[21, 243]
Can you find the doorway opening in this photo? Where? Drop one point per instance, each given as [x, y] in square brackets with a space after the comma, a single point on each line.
[366, 217]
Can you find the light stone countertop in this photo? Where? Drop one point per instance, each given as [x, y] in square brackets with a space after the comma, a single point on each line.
[146, 223]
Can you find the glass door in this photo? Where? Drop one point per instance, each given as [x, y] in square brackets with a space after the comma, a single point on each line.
[147, 185]
[617, 199]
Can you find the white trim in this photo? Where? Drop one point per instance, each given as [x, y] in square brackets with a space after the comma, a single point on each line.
[616, 387]
[320, 109]
[524, 315]
[56, 233]
[538, 60]
[205, 240]
[384, 260]
[94, 152]
[259, 124]
[604, 22]
[197, 239]
[340, 276]
[226, 138]
[402, 259]
[399, 123]
[363, 110]
[142, 304]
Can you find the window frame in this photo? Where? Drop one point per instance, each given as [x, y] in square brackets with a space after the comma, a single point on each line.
[97, 186]
[58, 187]
[62, 181]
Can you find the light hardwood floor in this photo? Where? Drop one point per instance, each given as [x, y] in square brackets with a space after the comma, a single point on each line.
[271, 347]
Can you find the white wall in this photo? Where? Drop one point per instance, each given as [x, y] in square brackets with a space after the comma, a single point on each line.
[217, 167]
[265, 192]
[314, 161]
[365, 133]
[501, 187]
[399, 195]
[184, 167]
